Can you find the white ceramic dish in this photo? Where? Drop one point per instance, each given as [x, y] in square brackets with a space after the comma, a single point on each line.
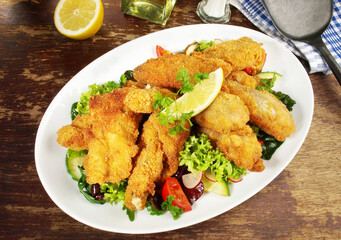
[50, 157]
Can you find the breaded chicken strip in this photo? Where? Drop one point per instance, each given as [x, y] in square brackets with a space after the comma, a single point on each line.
[227, 113]
[225, 123]
[171, 146]
[241, 53]
[148, 168]
[266, 111]
[162, 71]
[244, 79]
[240, 146]
[109, 132]
[117, 128]
[158, 159]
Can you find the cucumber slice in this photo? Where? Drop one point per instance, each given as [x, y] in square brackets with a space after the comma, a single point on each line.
[269, 75]
[74, 159]
[220, 188]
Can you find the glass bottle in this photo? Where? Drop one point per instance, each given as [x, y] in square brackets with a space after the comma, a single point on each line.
[157, 11]
[214, 11]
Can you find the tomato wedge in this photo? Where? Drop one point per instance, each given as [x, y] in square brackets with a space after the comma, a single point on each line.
[172, 187]
[159, 50]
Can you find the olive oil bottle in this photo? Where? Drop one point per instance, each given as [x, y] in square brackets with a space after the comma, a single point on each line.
[157, 11]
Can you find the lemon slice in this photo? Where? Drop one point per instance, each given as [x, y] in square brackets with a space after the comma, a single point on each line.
[201, 96]
[78, 19]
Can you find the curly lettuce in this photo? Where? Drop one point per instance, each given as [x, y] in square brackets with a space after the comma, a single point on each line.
[199, 155]
[203, 44]
[225, 169]
[114, 192]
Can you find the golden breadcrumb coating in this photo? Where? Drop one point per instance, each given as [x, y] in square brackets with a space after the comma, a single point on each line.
[227, 112]
[244, 79]
[266, 111]
[158, 159]
[77, 135]
[241, 53]
[225, 123]
[141, 100]
[162, 71]
[241, 147]
[109, 133]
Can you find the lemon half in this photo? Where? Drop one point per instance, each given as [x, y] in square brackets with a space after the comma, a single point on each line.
[201, 96]
[79, 19]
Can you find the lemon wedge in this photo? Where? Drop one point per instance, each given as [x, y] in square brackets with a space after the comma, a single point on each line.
[201, 96]
[78, 19]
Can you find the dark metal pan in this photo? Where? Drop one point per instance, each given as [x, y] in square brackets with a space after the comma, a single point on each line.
[304, 20]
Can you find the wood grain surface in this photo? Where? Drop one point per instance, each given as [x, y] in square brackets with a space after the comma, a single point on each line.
[303, 202]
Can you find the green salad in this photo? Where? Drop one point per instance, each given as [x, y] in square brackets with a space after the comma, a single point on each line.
[197, 156]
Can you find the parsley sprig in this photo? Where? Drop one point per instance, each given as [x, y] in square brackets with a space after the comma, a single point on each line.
[166, 116]
[166, 205]
[184, 77]
[174, 210]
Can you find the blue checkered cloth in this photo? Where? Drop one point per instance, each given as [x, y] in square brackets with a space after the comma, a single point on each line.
[256, 13]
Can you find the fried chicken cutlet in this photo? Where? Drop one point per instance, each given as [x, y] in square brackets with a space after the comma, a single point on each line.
[241, 53]
[109, 132]
[226, 113]
[157, 160]
[266, 111]
[148, 169]
[225, 123]
[240, 146]
[109, 135]
[161, 71]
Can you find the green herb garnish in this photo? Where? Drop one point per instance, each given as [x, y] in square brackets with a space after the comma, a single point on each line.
[130, 213]
[153, 210]
[174, 210]
[166, 116]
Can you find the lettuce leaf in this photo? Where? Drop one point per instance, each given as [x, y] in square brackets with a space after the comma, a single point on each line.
[269, 143]
[83, 104]
[199, 155]
[203, 44]
[114, 192]
[225, 169]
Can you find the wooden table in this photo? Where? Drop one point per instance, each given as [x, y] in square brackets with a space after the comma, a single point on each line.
[303, 202]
